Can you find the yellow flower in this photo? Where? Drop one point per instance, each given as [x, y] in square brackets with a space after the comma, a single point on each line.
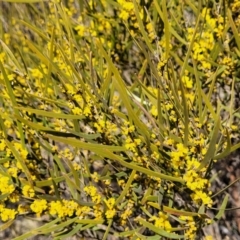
[7, 214]
[90, 190]
[38, 206]
[98, 211]
[87, 111]
[6, 187]
[162, 221]
[95, 177]
[2, 145]
[13, 171]
[130, 145]
[137, 141]
[96, 199]
[80, 30]
[28, 191]
[187, 82]
[83, 211]
[203, 197]
[76, 111]
[126, 214]
[110, 202]
[70, 207]
[154, 111]
[54, 207]
[110, 213]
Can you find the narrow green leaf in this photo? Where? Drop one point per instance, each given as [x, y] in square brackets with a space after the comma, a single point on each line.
[120, 86]
[44, 59]
[70, 234]
[90, 221]
[224, 189]
[176, 212]
[98, 148]
[105, 236]
[160, 195]
[140, 236]
[199, 88]
[45, 183]
[227, 150]
[202, 209]
[209, 106]
[187, 67]
[72, 184]
[186, 59]
[21, 162]
[235, 147]
[234, 29]
[12, 57]
[3, 127]
[212, 146]
[146, 212]
[51, 114]
[125, 190]
[4, 196]
[50, 229]
[147, 193]
[6, 225]
[192, 6]
[185, 113]
[36, 126]
[141, 27]
[35, 29]
[34, 232]
[222, 208]
[76, 73]
[166, 27]
[14, 103]
[159, 231]
[171, 30]
[48, 82]
[106, 151]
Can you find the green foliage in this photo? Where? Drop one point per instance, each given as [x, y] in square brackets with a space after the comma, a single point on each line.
[112, 115]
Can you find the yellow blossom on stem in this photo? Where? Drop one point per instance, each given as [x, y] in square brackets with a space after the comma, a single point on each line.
[7, 214]
[110, 213]
[162, 221]
[28, 191]
[38, 206]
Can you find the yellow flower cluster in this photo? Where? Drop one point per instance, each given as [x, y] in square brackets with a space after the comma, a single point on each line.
[93, 193]
[6, 184]
[64, 208]
[187, 81]
[28, 191]
[127, 213]
[111, 212]
[197, 183]
[58, 88]
[190, 233]
[235, 6]
[39, 206]
[161, 221]
[6, 213]
[132, 144]
[127, 9]
[178, 156]
[205, 43]
[110, 129]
